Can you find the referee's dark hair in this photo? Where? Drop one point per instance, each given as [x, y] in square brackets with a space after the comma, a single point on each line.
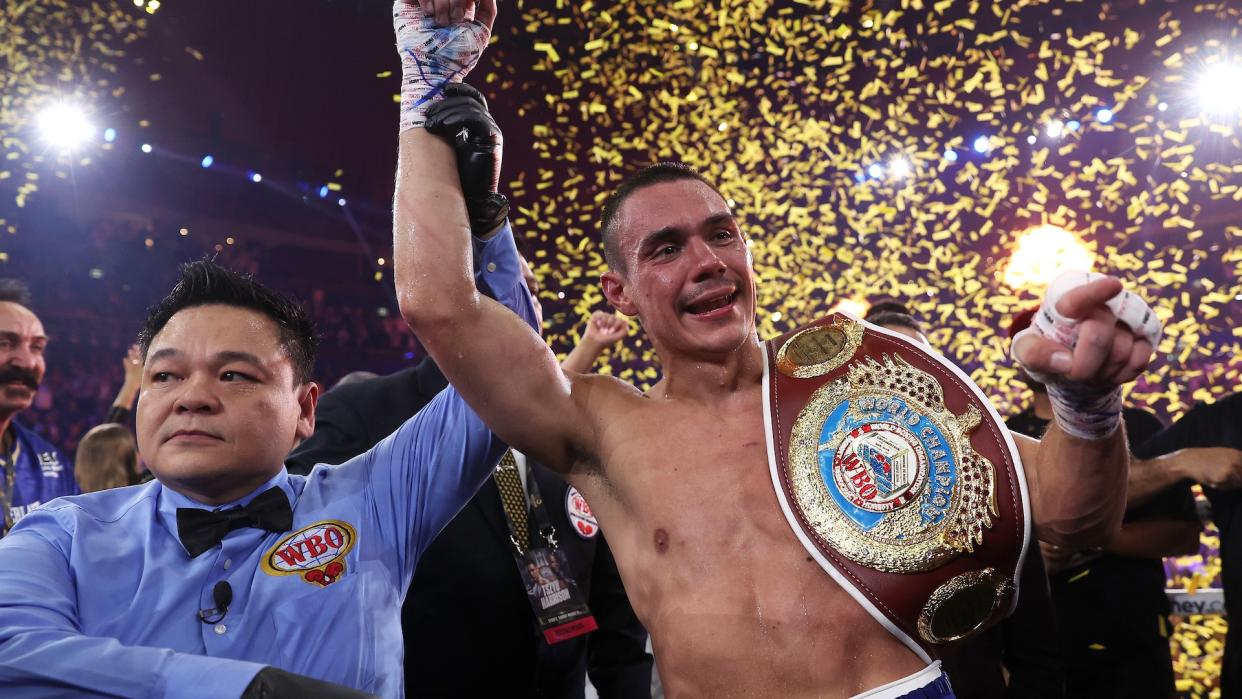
[204, 282]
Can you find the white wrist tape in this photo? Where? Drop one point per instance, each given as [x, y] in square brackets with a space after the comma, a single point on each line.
[1086, 410]
[432, 57]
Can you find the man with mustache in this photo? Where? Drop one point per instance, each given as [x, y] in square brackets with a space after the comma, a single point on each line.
[32, 471]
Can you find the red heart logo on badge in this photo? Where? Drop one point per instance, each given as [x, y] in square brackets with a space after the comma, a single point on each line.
[585, 528]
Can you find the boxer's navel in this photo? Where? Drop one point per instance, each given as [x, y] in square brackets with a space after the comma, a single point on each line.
[661, 541]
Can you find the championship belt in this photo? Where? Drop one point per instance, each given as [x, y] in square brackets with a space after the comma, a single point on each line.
[898, 477]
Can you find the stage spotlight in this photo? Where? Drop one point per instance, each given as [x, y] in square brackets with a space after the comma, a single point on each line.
[1073, 124]
[208, 161]
[875, 170]
[65, 126]
[1044, 252]
[1054, 128]
[341, 201]
[982, 144]
[323, 192]
[254, 176]
[109, 134]
[1163, 106]
[1104, 116]
[1032, 139]
[899, 167]
[145, 148]
[1218, 90]
[854, 307]
[950, 155]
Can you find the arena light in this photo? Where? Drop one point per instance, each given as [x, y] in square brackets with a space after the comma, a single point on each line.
[1073, 124]
[64, 126]
[982, 144]
[146, 148]
[254, 176]
[323, 192]
[900, 167]
[1217, 89]
[950, 155]
[109, 134]
[1044, 252]
[1054, 128]
[876, 171]
[208, 161]
[1104, 116]
[852, 306]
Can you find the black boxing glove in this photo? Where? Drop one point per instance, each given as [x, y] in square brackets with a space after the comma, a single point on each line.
[462, 119]
[274, 683]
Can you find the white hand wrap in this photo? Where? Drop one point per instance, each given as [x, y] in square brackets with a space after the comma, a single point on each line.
[431, 58]
[1085, 410]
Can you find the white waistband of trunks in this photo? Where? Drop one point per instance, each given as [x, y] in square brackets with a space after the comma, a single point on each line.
[905, 685]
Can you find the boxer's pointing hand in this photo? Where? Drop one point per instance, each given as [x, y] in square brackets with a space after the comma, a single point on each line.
[1106, 351]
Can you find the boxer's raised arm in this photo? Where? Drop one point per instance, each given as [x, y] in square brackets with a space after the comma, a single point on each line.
[503, 369]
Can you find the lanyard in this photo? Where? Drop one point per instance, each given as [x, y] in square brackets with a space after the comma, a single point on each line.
[518, 507]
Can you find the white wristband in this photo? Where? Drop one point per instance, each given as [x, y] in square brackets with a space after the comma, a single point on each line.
[432, 58]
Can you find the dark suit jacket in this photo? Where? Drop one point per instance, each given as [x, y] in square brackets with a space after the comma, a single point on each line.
[469, 628]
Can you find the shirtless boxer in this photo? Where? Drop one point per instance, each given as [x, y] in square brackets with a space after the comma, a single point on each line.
[679, 476]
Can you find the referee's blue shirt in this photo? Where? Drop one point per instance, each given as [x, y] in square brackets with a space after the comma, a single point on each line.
[99, 598]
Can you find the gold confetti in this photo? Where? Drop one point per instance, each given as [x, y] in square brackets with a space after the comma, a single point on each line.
[810, 97]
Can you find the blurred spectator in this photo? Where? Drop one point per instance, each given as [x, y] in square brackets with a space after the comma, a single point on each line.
[107, 458]
[355, 377]
[32, 471]
[131, 365]
[1208, 439]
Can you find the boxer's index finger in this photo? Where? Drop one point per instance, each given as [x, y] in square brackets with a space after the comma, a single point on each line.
[1078, 302]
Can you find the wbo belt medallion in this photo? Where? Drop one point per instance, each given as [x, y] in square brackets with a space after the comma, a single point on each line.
[891, 467]
[887, 472]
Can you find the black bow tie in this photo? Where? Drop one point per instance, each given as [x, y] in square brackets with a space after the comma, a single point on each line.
[201, 529]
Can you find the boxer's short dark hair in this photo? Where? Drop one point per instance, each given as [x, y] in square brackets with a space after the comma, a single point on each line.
[204, 283]
[650, 175]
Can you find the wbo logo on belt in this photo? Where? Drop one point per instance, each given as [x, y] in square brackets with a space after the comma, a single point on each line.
[916, 508]
[907, 493]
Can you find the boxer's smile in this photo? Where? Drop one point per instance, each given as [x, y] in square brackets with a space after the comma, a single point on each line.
[711, 305]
